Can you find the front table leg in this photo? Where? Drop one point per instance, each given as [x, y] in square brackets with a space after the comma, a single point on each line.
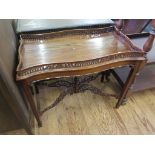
[29, 96]
[130, 79]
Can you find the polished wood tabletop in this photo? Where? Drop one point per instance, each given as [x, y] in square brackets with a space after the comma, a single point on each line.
[75, 49]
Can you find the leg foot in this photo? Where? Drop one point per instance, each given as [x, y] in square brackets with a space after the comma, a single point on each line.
[40, 124]
[124, 102]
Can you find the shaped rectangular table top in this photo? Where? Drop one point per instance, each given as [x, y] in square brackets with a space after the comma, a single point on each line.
[71, 50]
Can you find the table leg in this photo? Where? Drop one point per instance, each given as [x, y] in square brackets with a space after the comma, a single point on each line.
[36, 88]
[29, 96]
[130, 79]
[102, 76]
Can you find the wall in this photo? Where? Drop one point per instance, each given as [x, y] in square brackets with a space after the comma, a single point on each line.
[11, 98]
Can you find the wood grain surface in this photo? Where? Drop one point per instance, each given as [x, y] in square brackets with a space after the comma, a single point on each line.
[73, 50]
[85, 113]
[69, 49]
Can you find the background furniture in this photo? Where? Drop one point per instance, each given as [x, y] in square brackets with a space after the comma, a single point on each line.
[132, 26]
[146, 79]
[46, 25]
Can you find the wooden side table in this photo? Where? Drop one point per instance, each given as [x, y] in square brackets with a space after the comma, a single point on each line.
[75, 53]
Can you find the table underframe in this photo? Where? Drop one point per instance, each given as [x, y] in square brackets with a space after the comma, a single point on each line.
[80, 85]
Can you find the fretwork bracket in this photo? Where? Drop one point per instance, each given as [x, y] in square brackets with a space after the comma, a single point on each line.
[77, 85]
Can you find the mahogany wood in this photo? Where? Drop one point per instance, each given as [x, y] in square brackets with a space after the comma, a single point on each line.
[75, 52]
[77, 85]
[71, 52]
[140, 41]
[128, 84]
[28, 94]
[119, 23]
[149, 43]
